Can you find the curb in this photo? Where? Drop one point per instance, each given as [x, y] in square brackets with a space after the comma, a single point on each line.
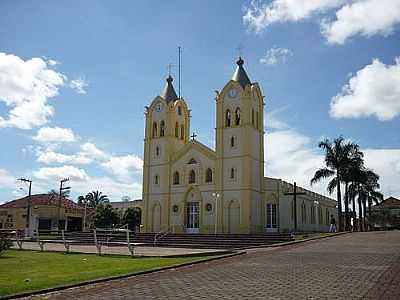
[93, 281]
[298, 241]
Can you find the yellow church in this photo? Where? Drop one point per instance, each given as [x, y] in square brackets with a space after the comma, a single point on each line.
[189, 187]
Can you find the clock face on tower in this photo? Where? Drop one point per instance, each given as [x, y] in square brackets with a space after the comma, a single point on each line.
[232, 93]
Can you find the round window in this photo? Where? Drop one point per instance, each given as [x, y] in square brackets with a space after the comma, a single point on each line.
[175, 208]
[208, 207]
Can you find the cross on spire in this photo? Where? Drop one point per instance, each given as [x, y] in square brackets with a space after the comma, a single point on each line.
[193, 136]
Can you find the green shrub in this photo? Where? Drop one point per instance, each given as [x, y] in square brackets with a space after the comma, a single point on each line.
[5, 244]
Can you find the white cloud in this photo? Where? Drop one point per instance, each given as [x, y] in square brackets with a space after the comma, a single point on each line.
[386, 163]
[292, 156]
[373, 91]
[276, 55]
[91, 150]
[262, 14]
[79, 85]
[123, 166]
[367, 18]
[26, 87]
[55, 134]
[58, 173]
[50, 157]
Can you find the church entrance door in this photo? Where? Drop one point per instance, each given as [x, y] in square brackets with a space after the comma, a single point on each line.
[192, 217]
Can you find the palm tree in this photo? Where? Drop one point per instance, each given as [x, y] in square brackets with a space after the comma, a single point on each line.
[64, 193]
[355, 164]
[337, 157]
[96, 198]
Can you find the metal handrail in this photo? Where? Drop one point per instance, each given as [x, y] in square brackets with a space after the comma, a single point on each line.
[161, 234]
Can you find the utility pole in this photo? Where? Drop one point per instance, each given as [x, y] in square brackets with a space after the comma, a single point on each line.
[59, 200]
[294, 194]
[28, 207]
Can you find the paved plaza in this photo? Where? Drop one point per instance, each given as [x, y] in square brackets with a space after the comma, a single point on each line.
[351, 266]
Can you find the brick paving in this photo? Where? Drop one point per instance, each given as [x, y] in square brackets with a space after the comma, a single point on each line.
[352, 266]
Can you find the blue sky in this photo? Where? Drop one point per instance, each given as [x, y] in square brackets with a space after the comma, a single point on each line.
[94, 65]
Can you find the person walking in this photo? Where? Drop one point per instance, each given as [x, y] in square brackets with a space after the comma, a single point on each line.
[333, 224]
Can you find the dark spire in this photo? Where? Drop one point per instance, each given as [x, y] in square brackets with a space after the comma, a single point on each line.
[240, 75]
[169, 93]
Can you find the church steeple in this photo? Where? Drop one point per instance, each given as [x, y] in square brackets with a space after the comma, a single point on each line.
[169, 93]
[240, 74]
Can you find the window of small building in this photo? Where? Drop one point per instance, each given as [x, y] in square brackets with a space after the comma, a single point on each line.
[156, 180]
[209, 175]
[162, 128]
[182, 132]
[192, 176]
[154, 134]
[232, 175]
[176, 177]
[228, 118]
[237, 116]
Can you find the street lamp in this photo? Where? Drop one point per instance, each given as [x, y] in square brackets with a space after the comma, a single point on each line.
[216, 196]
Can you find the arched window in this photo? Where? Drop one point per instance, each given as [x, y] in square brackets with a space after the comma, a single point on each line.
[179, 110]
[237, 116]
[157, 151]
[303, 213]
[156, 179]
[176, 177]
[154, 134]
[232, 141]
[257, 122]
[327, 216]
[192, 176]
[252, 117]
[232, 173]
[162, 128]
[320, 216]
[312, 217]
[176, 130]
[228, 118]
[209, 175]
[182, 132]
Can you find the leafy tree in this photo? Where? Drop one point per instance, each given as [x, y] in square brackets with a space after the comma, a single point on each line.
[106, 216]
[5, 244]
[337, 157]
[64, 193]
[96, 198]
[132, 217]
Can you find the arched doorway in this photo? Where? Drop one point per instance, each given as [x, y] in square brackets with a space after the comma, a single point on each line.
[192, 215]
[156, 222]
[234, 217]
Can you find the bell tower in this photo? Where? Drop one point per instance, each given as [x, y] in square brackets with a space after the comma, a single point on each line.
[240, 149]
[167, 128]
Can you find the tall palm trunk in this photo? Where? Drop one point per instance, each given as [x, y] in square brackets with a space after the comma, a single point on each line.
[364, 202]
[339, 200]
[360, 213]
[354, 215]
[369, 212]
[346, 206]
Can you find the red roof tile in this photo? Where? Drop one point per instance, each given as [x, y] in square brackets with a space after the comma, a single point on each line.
[42, 199]
[390, 202]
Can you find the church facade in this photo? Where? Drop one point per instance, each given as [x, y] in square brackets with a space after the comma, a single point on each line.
[188, 187]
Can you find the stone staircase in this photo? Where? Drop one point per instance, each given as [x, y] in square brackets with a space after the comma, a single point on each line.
[184, 240]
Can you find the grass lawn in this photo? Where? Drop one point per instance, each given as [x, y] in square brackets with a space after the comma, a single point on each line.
[23, 271]
[303, 236]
